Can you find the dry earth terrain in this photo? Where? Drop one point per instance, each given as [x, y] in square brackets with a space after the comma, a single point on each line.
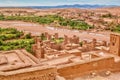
[114, 76]
[36, 29]
[101, 18]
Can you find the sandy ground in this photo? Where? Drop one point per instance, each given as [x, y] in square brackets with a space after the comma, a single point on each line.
[36, 29]
[113, 76]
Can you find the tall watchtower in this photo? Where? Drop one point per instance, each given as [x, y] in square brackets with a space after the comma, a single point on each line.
[115, 44]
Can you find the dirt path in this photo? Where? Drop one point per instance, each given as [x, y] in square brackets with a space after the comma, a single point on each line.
[36, 29]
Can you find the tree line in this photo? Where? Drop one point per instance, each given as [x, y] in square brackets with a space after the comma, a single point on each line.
[48, 19]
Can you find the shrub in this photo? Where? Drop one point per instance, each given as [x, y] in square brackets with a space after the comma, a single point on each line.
[28, 36]
[1, 42]
[42, 36]
[2, 17]
[117, 28]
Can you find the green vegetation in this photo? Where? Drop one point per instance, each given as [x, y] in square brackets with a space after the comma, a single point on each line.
[9, 33]
[28, 36]
[59, 40]
[10, 39]
[117, 28]
[107, 15]
[1, 17]
[81, 43]
[48, 19]
[16, 44]
[74, 24]
[42, 37]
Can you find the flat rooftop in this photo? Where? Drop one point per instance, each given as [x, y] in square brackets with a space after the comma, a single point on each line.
[84, 57]
[16, 59]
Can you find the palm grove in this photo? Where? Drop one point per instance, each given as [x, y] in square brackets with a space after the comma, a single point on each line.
[48, 19]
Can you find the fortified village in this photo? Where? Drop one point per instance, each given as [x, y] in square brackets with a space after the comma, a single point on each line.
[62, 57]
[61, 54]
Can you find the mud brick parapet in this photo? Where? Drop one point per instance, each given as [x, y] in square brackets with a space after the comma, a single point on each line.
[35, 73]
[77, 69]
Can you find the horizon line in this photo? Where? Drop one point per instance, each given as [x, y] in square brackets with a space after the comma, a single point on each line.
[60, 5]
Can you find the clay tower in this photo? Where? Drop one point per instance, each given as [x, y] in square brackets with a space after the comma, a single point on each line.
[115, 44]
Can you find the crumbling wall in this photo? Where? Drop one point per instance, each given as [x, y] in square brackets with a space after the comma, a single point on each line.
[78, 69]
[116, 66]
[45, 74]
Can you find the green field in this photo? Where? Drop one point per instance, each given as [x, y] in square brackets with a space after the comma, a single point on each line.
[10, 39]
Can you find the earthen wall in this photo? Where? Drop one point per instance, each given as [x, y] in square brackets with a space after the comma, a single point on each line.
[45, 74]
[83, 68]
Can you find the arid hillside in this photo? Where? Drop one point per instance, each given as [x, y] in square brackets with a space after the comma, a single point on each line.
[100, 19]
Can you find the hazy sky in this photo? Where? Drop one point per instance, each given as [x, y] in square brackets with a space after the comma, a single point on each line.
[55, 2]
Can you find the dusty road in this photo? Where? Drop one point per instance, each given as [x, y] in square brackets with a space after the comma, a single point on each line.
[36, 29]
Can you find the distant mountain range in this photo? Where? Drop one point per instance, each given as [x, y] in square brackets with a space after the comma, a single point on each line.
[64, 6]
[72, 6]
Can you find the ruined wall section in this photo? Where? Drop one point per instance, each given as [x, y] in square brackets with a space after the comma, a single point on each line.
[116, 67]
[78, 69]
[43, 74]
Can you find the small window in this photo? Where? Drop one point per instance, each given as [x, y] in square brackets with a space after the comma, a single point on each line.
[113, 44]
